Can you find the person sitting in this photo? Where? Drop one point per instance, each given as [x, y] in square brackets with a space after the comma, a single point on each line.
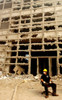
[47, 82]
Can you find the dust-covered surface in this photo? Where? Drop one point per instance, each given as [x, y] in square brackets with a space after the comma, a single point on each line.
[26, 87]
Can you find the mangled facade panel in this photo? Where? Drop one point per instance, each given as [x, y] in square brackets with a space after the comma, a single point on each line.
[31, 36]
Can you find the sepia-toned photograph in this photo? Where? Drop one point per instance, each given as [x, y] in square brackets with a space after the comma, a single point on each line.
[30, 49]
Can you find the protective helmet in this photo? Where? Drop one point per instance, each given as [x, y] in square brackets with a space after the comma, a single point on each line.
[45, 70]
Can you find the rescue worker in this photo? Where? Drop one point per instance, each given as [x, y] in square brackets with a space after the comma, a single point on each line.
[47, 82]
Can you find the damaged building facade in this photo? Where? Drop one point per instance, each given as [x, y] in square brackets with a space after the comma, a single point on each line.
[31, 36]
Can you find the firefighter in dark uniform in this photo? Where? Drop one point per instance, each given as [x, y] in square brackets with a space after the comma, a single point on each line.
[46, 82]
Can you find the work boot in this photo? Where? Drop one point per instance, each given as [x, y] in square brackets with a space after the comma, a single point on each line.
[46, 96]
[54, 94]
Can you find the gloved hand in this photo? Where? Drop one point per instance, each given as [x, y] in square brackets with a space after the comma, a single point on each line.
[45, 83]
[51, 82]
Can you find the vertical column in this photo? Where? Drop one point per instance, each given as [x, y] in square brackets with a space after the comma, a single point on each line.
[4, 68]
[17, 51]
[37, 65]
[56, 30]
[43, 25]
[29, 67]
[58, 67]
[50, 66]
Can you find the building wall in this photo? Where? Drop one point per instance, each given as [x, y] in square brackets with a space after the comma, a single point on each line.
[29, 27]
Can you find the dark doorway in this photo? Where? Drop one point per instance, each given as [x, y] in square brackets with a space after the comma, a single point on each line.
[13, 60]
[11, 68]
[60, 70]
[54, 67]
[43, 63]
[34, 66]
